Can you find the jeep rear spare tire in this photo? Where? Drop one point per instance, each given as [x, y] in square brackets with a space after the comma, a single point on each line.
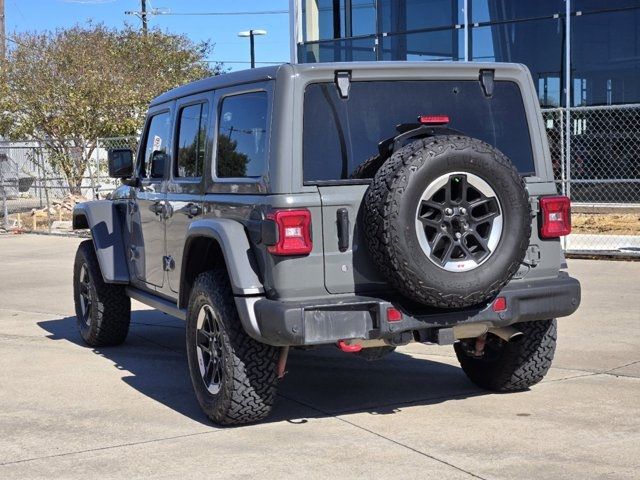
[447, 220]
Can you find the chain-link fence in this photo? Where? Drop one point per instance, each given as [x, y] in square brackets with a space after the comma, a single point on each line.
[35, 195]
[596, 162]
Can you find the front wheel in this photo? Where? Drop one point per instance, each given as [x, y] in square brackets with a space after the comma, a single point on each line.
[103, 310]
[233, 375]
[512, 366]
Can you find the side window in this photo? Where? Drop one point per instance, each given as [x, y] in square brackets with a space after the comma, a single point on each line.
[192, 141]
[156, 146]
[242, 135]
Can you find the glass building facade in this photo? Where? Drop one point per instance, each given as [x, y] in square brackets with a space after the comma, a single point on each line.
[604, 38]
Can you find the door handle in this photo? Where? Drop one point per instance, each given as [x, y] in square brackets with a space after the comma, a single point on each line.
[342, 220]
[193, 210]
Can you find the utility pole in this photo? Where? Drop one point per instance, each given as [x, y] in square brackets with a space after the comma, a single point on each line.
[3, 39]
[143, 15]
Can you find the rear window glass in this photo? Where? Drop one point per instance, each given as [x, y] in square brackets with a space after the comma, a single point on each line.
[242, 135]
[339, 134]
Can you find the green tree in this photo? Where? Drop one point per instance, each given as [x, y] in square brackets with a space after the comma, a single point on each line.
[68, 87]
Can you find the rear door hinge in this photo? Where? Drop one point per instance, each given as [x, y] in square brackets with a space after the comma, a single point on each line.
[343, 82]
[486, 80]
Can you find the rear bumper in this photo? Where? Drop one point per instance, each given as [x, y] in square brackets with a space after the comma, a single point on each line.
[358, 317]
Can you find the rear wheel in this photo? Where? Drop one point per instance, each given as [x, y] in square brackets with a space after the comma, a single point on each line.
[515, 365]
[234, 376]
[103, 310]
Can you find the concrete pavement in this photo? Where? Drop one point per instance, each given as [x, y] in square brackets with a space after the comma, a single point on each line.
[68, 411]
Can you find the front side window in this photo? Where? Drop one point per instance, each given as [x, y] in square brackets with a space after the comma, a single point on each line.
[156, 146]
[192, 141]
[242, 135]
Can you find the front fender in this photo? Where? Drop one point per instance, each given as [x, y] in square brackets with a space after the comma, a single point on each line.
[238, 257]
[103, 219]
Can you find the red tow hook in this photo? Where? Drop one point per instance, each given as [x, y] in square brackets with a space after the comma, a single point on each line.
[349, 348]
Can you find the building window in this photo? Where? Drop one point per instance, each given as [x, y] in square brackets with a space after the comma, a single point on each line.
[495, 11]
[447, 44]
[192, 141]
[406, 15]
[242, 135]
[346, 50]
[605, 57]
[605, 49]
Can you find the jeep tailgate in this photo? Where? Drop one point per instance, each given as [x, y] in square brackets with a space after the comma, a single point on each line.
[352, 269]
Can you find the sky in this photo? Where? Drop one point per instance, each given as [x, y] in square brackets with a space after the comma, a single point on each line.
[38, 15]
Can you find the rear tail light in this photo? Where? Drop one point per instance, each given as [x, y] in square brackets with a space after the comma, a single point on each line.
[294, 232]
[556, 217]
[433, 119]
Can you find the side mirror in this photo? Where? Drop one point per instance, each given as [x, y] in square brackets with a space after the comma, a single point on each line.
[158, 161]
[120, 163]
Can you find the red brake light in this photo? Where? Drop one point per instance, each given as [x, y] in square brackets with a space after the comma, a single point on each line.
[556, 217]
[294, 232]
[433, 119]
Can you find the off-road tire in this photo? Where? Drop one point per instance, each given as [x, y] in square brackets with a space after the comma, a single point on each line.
[519, 364]
[367, 169]
[389, 220]
[108, 322]
[249, 372]
[375, 353]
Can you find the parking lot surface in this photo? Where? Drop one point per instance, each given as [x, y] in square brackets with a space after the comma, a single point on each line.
[69, 411]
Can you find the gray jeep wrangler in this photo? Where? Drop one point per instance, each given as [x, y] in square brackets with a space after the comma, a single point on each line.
[364, 205]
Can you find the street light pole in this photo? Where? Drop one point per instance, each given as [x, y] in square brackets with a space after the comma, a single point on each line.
[253, 49]
[251, 34]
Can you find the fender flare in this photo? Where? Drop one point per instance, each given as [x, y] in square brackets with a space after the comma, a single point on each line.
[238, 257]
[102, 218]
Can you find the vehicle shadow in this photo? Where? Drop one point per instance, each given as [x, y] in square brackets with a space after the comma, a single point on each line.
[320, 382]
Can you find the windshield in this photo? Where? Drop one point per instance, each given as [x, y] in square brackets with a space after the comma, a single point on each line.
[339, 134]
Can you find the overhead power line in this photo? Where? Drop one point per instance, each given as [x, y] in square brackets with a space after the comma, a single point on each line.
[240, 61]
[262, 12]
